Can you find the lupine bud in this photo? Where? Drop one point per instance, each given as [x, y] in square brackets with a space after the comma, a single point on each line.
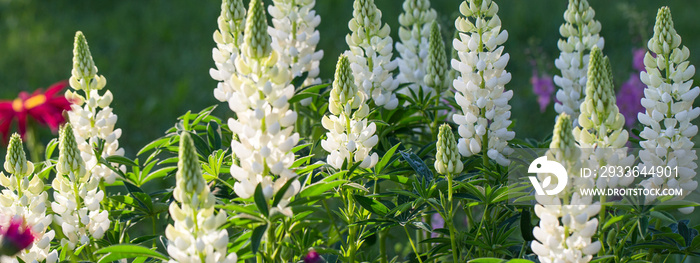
[667, 137]
[436, 70]
[344, 90]
[190, 181]
[256, 38]
[447, 158]
[15, 238]
[83, 65]
[16, 161]
[581, 34]
[69, 159]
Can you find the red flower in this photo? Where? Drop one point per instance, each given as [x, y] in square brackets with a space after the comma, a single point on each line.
[16, 237]
[46, 108]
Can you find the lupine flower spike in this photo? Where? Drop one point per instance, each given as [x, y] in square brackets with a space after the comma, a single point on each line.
[601, 134]
[24, 199]
[566, 225]
[350, 138]
[294, 37]
[76, 195]
[90, 115]
[265, 123]
[485, 118]
[229, 39]
[580, 34]
[436, 64]
[370, 54]
[195, 234]
[669, 112]
[413, 49]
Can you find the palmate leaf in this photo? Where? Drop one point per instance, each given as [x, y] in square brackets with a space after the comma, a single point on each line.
[418, 165]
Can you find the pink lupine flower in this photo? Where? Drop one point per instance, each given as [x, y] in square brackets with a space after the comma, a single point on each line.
[16, 237]
[313, 257]
[543, 87]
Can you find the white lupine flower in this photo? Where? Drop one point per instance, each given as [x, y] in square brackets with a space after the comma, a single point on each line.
[370, 54]
[572, 240]
[84, 221]
[265, 123]
[25, 198]
[92, 118]
[601, 134]
[580, 33]
[447, 158]
[195, 234]
[668, 99]
[414, 34]
[294, 37]
[349, 138]
[485, 117]
[229, 39]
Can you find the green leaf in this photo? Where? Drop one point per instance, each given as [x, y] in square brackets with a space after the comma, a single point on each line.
[121, 160]
[258, 233]
[122, 251]
[320, 187]
[487, 260]
[154, 144]
[371, 205]
[158, 174]
[50, 147]
[260, 201]
[379, 167]
[214, 135]
[282, 191]
[612, 221]
[418, 165]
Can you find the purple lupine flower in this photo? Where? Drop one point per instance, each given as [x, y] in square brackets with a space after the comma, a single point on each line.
[543, 87]
[638, 59]
[436, 221]
[629, 99]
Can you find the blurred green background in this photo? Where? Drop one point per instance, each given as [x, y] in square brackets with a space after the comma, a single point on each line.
[156, 54]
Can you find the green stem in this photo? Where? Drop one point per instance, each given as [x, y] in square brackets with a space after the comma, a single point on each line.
[383, 258]
[415, 251]
[602, 233]
[271, 241]
[450, 221]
